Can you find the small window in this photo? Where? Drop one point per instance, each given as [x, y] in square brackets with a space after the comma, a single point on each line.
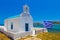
[11, 26]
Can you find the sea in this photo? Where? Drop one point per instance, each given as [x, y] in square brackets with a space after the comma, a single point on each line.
[55, 28]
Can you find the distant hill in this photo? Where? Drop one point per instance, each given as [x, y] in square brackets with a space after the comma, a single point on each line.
[38, 24]
[54, 22]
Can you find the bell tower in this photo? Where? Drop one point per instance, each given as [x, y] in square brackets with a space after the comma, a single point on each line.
[25, 9]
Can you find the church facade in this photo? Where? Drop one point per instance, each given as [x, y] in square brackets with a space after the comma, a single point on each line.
[21, 23]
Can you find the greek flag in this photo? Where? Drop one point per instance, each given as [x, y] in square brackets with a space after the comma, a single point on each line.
[47, 24]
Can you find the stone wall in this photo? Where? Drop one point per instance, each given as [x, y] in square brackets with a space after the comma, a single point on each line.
[11, 35]
[40, 31]
[23, 34]
[17, 35]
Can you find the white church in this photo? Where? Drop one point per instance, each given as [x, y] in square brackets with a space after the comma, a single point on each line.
[21, 25]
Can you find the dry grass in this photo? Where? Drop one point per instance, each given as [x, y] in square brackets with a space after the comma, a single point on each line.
[43, 36]
[40, 36]
[3, 37]
[49, 36]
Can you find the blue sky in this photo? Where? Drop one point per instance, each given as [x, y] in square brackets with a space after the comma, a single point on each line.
[39, 9]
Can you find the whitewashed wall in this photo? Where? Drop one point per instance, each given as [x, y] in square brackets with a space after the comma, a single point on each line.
[17, 35]
[15, 22]
[23, 34]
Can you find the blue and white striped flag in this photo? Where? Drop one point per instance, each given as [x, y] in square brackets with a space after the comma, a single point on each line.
[47, 24]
